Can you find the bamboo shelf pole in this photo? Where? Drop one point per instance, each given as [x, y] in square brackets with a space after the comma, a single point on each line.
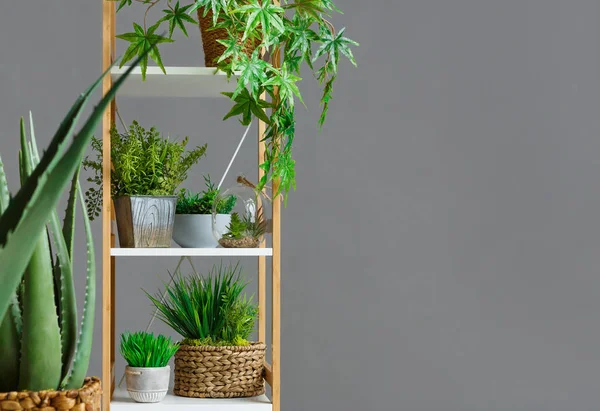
[276, 274]
[108, 35]
[262, 261]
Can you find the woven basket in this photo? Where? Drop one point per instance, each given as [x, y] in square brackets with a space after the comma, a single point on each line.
[213, 50]
[220, 372]
[86, 398]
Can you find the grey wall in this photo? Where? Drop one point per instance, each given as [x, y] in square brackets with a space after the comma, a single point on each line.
[441, 252]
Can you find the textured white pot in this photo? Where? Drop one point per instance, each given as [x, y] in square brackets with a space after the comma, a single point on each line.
[147, 384]
[196, 231]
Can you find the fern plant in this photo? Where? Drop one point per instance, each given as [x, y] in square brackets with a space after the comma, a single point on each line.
[203, 203]
[289, 30]
[208, 311]
[142, 349]
[144, 163]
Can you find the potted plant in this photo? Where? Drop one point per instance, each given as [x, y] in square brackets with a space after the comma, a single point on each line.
[44, 356]
[193, 216]
[147, 373]
[245, 231]
[147, 169]
[282, 39]
[215, 358]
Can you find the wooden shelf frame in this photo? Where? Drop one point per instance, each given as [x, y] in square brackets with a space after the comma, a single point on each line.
[273, 369]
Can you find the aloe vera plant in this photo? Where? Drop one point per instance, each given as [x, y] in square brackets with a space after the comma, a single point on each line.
[42, 346]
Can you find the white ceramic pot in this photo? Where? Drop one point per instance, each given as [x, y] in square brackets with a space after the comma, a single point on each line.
[147, 384]
[196, 231]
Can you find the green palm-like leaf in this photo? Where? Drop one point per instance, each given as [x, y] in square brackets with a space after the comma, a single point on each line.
[177, 17]
[144, 44]
[216, 6]
[286, 82]
[253, 72]
[333, 45]
[262, 15]
[123, 3]
[308, 8]
[247, 106]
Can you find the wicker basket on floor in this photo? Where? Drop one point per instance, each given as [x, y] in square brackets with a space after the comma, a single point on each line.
[213, 50]
[86, 398]
[220, 372]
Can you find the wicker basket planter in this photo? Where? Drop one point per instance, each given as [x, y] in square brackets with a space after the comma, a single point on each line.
[213, 50]
[220, 372]
[86, 398]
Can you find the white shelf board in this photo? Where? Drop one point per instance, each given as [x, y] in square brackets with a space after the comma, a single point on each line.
[122, 402]
[190, 252]
[178, 82]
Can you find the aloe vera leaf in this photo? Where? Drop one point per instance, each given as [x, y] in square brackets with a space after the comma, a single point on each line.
[9, 355]
[41, 363]
[39, 195]
[62, 271]
[83, 350]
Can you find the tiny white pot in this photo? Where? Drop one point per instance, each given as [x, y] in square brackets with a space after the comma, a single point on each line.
[196, 230]
[147, 384]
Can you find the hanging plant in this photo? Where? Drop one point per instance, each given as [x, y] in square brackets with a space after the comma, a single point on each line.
[289, 32]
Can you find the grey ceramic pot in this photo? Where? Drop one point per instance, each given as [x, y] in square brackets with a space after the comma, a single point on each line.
[147, 384]
[145, 221]
[196, 230]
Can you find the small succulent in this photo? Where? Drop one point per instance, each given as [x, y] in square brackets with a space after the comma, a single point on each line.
[246, 226]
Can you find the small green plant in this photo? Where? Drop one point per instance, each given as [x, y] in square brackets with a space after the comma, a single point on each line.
[142, 349]
[144, 163]
[203, 203]
[245, 231]
[210, 310]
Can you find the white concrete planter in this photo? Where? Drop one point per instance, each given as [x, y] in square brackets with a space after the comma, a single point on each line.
[196, 231]
[147, 384]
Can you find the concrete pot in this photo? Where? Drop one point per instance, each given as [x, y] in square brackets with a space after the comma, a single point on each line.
[145, 221]
[147, 384]
[196, 230]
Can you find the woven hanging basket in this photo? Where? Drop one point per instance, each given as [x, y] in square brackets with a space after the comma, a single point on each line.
[213, 50]
[220, 372]
[86, 398]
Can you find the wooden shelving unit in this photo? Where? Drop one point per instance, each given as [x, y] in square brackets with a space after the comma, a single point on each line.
[190, 82]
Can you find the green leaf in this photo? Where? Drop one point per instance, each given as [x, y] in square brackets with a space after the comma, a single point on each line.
[307, 8]
[253, 72]
[83, 348]
[41, 360]
[264, 16]
[286, 82]
[144, 44]
[177, 17]
[333, 45]
[123, 3]
[216, 6]
[329, 5]
[247, 106]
